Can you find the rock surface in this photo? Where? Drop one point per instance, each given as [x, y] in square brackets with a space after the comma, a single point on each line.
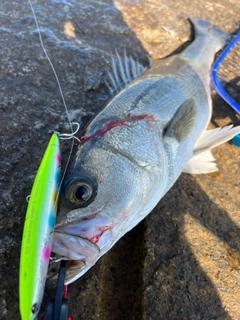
[183, 260]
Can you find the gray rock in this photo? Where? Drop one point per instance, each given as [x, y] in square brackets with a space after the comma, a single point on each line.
[182, 262]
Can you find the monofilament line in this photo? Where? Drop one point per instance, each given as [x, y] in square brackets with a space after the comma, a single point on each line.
[50, 62]
[60, 89]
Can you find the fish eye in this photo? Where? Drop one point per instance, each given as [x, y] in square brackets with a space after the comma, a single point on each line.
[34, 308]
[80, 192]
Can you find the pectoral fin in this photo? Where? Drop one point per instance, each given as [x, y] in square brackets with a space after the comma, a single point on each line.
[183, 121]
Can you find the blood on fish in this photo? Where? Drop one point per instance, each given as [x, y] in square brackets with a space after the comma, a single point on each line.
[95, 238]
[75, 263]
[113, 124]
[89, 217]
[151, 118]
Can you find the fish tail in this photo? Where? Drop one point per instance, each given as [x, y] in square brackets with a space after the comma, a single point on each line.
[204, 28]
[208, 41]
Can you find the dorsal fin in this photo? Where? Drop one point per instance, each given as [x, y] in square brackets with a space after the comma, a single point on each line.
[124, 71]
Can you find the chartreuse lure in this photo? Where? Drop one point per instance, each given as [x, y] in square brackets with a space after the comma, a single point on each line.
[38, 231]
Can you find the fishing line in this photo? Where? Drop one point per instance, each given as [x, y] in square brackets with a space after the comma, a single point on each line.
[67, 136]
[63, 136]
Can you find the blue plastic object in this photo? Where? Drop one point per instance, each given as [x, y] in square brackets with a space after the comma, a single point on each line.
[236, 140]
[218, 87]
[215, 80]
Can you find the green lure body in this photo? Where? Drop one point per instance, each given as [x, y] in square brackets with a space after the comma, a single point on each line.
[38, 231]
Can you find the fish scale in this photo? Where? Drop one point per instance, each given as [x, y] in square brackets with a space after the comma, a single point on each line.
[138, 155]
[134, 150]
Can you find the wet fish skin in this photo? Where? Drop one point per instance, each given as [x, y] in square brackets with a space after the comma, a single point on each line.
[134, 150]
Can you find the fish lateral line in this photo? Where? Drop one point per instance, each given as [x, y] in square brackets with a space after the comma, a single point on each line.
[113, 124]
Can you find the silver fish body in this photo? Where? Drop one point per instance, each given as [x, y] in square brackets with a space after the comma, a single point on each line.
[137, 146]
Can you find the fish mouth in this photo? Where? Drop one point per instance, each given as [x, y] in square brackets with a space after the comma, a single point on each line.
[83, 241]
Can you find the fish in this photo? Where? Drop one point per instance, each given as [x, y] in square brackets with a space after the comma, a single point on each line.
[38, 231]
[133, 151]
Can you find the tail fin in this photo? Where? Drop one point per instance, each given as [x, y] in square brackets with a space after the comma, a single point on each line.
[208, 40]
[204, 28]
[201, 52]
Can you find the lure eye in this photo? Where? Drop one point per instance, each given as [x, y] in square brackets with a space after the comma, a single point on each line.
[34, 308]
[80, 192]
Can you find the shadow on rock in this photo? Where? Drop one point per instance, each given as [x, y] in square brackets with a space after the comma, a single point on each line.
[169, 284]
[175, 286]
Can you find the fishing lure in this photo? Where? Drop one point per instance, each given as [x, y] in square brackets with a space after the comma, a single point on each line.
[38, 231]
